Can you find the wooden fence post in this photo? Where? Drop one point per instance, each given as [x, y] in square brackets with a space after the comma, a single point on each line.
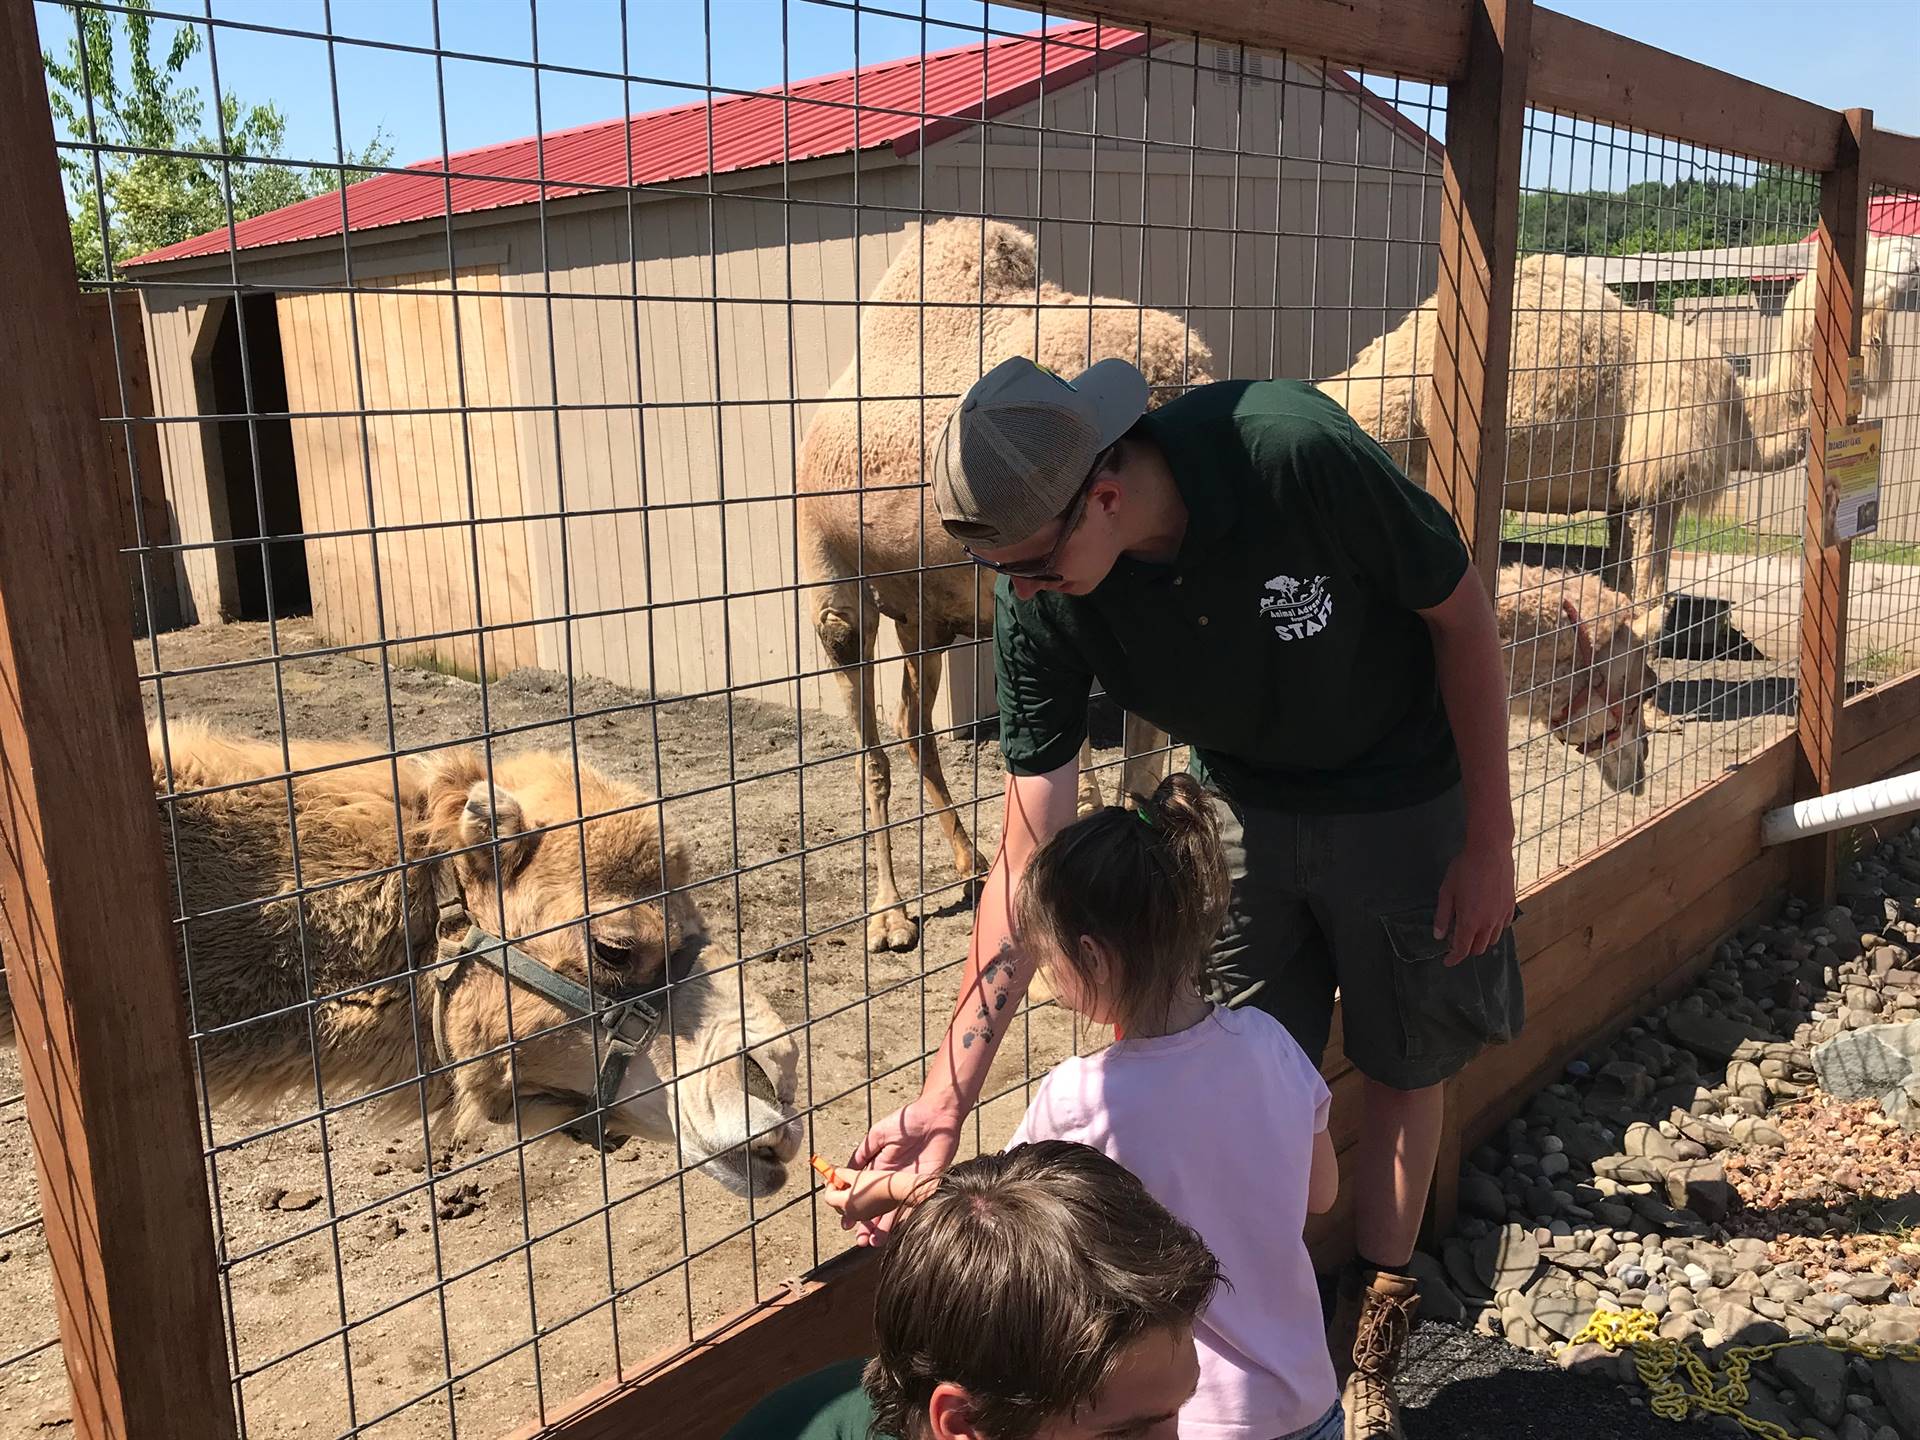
[1467, 425]
[99, 1015]
[1479, 240]
[1842, 262]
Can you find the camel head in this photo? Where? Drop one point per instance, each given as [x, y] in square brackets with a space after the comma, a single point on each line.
[1609, 716]
[967, 258]
[719, 1074]
[1893, 270]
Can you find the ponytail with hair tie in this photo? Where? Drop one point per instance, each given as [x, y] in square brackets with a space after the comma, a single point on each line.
[1153, 899]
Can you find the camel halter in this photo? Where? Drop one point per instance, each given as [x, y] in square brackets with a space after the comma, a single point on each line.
[626, 1027]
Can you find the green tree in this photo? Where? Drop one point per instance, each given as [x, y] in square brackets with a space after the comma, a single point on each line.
[162, 176]
[1651, 215]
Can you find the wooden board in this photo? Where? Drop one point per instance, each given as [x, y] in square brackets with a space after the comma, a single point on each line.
[1896, 161]
[703, 1390]
[1467, 414]
[1881, 732]
[100, 1020]
[122, 385]
[402, 355]
[1420, 39]
[1841, 270]
[1584, 70]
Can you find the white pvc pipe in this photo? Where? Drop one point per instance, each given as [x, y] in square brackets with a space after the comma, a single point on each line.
[1842, 808]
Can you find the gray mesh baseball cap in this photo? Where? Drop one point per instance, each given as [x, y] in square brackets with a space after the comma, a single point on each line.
[1019, 445]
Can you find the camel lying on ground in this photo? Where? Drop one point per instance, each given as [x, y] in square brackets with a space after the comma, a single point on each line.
[352, 973]
[1622, 410]
[869, 537]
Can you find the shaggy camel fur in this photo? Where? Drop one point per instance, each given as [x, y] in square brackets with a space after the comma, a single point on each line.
[973, 300]
[370, 957]
[1621, 410]
[1576, 666]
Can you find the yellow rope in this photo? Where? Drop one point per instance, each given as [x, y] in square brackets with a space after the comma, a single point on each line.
[1660, 1363]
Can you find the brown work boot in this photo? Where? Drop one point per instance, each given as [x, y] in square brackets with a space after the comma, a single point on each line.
[1372, 1317]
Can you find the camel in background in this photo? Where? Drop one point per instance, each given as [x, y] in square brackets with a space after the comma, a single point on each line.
[1622, 410]
[959, 298]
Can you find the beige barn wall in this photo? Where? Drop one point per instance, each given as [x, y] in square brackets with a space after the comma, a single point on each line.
[179, 325]
[1299, 226]
[418, 470]
[677, 330]
[685, 406]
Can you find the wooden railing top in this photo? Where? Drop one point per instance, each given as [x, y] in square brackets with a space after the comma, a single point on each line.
[1576, 68]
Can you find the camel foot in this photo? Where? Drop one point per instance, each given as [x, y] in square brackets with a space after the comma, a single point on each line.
[891, 930]
[967, 864]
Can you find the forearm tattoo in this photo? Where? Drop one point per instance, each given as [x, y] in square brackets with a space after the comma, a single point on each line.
[995, 987]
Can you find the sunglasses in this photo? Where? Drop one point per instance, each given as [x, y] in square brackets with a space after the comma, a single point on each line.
[1041, 568]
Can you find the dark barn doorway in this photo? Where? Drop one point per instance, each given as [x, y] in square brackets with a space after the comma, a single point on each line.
[273, 509]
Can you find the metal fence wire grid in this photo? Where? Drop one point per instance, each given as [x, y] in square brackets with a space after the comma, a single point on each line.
[539, 621]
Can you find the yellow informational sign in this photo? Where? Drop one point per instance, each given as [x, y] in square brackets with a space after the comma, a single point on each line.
[1853, 480]
[1856, 386]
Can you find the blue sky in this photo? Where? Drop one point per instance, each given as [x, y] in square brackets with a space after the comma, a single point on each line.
[1862, 52]
[1835, 52]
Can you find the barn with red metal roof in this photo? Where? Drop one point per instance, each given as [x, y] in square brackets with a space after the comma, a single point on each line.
[641, 311]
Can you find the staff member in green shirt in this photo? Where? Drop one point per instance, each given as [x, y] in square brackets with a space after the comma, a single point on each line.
[1248, 570]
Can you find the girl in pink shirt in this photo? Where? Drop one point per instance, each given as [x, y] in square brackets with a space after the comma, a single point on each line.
[1218, 1111]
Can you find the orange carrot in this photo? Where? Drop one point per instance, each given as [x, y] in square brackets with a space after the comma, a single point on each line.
[830, 1175]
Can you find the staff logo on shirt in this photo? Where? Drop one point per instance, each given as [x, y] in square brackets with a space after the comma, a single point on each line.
[1297, 608]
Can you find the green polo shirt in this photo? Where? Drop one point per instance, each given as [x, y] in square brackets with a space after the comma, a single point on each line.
[826, 1405]
[1282, 641]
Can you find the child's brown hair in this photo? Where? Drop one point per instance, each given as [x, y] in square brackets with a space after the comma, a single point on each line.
[1150, 884]
[1023, 1278]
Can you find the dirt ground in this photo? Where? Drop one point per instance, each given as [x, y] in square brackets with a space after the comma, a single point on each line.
[356, 1308]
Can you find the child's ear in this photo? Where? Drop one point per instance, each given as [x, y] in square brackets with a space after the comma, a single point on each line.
[1096, 960]
[950, 1414]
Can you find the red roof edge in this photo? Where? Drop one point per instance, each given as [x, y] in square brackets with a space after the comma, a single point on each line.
[1103, 57]
[1107, 56]
[1386, 110]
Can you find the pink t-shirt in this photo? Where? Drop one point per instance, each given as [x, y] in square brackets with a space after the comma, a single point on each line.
[1218, 1122]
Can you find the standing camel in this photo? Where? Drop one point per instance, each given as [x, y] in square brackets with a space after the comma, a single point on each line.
[959, 298]
[1622, 410]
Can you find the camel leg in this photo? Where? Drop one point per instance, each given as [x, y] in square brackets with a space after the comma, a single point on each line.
[1146, 756]
[1616, 565]
[847, 632]
[919, 688]
[1089, 797]
[1651, 551]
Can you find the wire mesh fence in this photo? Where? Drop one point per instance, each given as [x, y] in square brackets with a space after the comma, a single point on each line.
[1655, 472]
[1883, 602]
[528, 547]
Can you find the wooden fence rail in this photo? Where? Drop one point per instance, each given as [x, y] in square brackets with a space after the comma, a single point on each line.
[82, 893]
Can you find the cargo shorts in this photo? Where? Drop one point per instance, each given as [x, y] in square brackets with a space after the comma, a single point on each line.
[1326, 903]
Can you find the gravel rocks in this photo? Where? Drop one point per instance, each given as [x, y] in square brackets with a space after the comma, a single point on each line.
[1698, 1166]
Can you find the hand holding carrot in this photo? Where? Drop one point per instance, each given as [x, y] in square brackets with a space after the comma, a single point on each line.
[858, 1195]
